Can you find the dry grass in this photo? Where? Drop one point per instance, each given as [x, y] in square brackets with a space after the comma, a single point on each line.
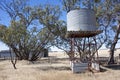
[105, 52]
[50, 69]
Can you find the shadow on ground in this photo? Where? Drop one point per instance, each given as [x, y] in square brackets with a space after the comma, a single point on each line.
[102, 69]
[114, 67]
[54, 68]
[51, 60]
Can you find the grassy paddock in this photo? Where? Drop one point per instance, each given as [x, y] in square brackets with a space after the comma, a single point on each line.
[52, 68]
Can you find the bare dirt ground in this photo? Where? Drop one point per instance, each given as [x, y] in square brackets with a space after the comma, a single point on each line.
[56, 67]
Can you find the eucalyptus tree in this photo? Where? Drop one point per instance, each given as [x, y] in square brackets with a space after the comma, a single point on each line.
[111, 8]
[65, 43]
[107, 13]
[70, 4]
[61, 41]
[28, 34]
[52, 21]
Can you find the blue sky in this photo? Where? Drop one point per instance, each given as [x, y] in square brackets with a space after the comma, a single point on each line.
[4, 18]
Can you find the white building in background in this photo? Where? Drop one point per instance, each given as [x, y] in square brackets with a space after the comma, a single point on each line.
[5, 54]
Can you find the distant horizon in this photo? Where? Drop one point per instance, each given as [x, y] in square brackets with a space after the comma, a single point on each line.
[53, 49]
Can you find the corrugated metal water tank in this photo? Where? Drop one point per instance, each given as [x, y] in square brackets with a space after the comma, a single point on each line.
[81, 20]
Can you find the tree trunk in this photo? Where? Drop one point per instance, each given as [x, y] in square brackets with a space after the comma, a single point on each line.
[13, 59]
[112, 49]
